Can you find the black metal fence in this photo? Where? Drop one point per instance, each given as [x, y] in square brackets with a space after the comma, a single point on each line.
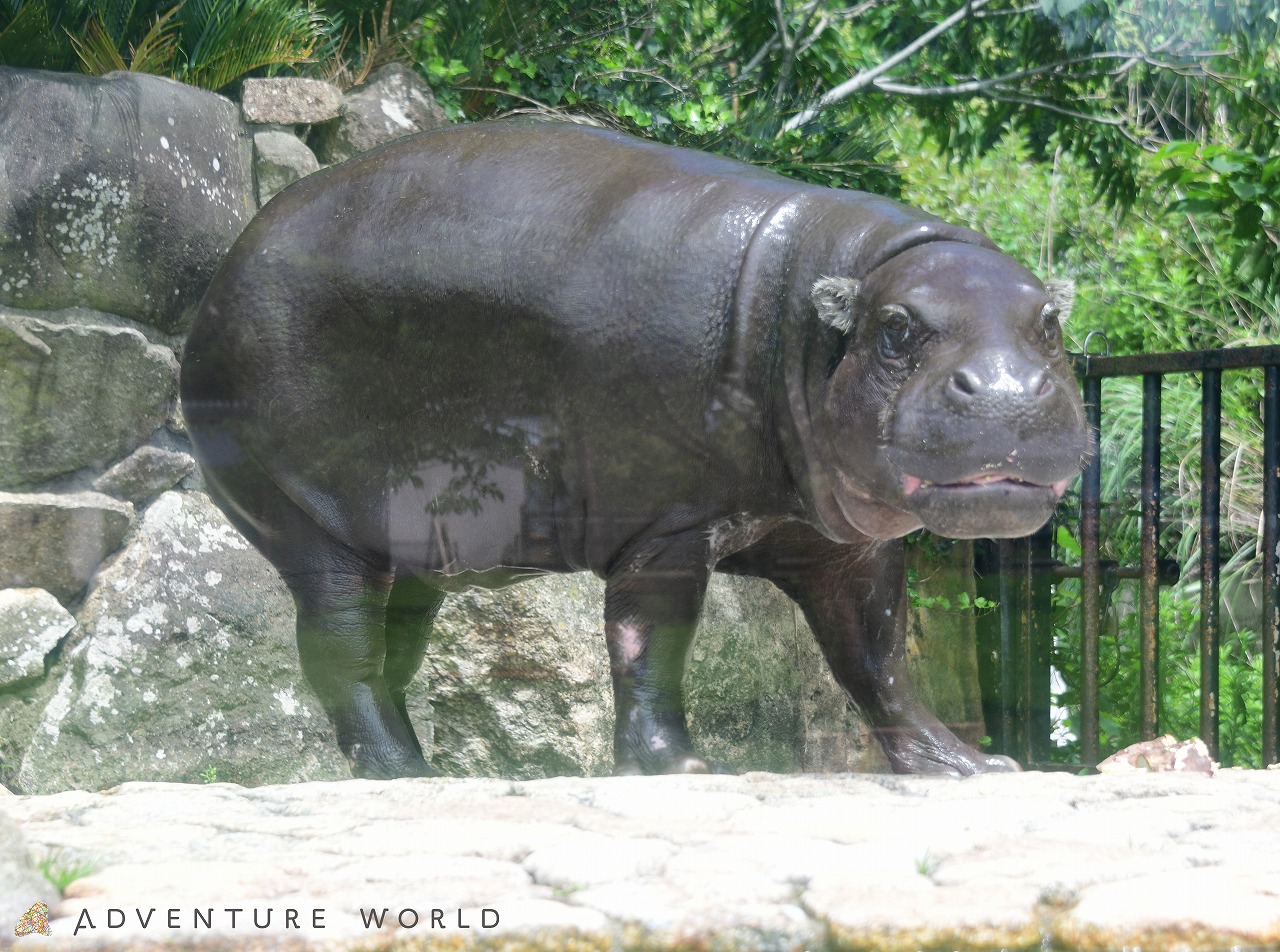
[1016, 641]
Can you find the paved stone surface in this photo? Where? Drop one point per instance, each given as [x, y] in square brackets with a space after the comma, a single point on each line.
[761, 861]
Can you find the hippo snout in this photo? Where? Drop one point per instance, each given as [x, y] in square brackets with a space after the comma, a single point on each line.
[996, 385]
[987, 446]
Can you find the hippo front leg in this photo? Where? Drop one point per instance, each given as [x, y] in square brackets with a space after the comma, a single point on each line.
[852, 597]
[651, 612]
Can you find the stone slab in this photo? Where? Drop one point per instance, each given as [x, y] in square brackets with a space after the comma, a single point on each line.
[713, 862]
[290, 100]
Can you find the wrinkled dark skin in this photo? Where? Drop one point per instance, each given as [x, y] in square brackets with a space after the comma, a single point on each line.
[501, 350]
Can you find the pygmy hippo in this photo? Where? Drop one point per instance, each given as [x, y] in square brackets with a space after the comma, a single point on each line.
[500, 350]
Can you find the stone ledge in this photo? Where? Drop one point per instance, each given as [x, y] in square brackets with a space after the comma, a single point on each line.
[759, 861]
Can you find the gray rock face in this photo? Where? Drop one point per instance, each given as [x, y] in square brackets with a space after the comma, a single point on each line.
[280, 159]
[76, 395]
[393, 102]
[760, 695]
[518, 682]
[146, 472]
[290, 100]
[183, 661]
[56, 541]
[119, 193]
[32, 622]
[21, 885]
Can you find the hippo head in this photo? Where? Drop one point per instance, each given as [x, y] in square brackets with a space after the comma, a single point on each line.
[948, 401]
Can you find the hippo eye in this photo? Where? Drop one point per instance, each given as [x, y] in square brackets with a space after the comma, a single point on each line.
[896, 330]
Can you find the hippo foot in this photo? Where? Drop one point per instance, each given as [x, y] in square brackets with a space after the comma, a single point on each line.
[929, 753]
[365, 767]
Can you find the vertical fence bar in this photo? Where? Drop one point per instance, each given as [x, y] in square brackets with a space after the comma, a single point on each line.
[1210, 494]
[1015, 560]
[1090, 577]
[1040, 656]
[1271, 567]
[1149, 594]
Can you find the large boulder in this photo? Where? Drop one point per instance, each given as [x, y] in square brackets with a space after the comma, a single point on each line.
[80, 390]
[279, 160]
[760, 695]
[183, 667]
[55, 541]
[119, 193]
[515, 683]
[32, 622]
[393, 102]
[146, 472]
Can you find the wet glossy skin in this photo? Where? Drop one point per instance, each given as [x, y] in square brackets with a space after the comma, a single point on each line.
[501, 350]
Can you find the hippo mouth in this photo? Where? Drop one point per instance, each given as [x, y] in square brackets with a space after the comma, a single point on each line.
[912, 485]
[985, 505]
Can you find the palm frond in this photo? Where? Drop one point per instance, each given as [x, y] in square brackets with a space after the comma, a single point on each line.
[28, 37]
[238, 37]
[157, 51]
[96, 49]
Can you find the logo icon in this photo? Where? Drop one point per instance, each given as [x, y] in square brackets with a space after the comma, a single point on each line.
[34, 920]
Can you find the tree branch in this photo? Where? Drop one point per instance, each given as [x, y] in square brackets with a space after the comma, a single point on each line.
[867, 77]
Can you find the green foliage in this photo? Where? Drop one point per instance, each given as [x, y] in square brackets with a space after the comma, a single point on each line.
[1235, 196]
[61, 870]
[640, 68]
[962, 603]
[207, 43]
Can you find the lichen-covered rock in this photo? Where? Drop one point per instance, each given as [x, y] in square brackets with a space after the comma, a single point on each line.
[184, 666]
[289, 100]
[393, 102]
[119, 193]
[519, 683]
[279, 160]
[76, 394]
[57, 541]
[144, 473]
[183, 663]
[518, 680]
[32, 622]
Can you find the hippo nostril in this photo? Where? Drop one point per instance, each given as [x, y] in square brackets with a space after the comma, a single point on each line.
[964, 384]
[1046, 387]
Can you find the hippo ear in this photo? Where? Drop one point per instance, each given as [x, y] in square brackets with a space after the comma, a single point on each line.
[835, 299]
[1062, 293]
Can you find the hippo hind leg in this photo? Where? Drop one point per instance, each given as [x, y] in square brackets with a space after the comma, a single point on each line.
[357, 668]
[411, 612]
[358, 653]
